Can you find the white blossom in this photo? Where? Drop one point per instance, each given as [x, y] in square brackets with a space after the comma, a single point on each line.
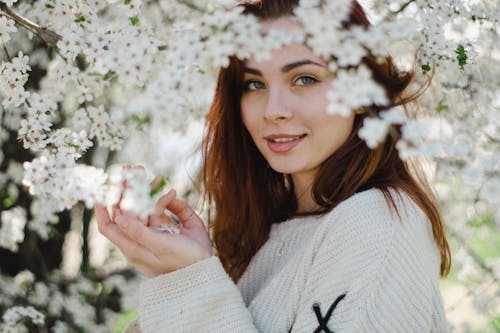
[12, 228]
[17, 313]
[6, 26]
[353, 89]
[374, 131]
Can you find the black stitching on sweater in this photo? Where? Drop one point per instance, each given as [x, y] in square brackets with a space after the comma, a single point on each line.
[323, 321]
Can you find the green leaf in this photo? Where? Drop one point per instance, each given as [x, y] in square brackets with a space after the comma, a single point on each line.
[426, 68]
[461, 55]
[126, 2]
[108, 76]
[52, 47]
[9, 202]
[141, 121]
[74, 145]
[123, 320]
[49, 5]
[134, 20]
[487, 218]
[214, 28]
[158, 187]
[442, 106]
[80, 19]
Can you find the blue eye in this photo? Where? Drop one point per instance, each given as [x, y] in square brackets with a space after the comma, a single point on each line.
[305, 80]
[254, 85]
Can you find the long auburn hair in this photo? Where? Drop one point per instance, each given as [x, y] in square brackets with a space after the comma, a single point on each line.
[247, 195]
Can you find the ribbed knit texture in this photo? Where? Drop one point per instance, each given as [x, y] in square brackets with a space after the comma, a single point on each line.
[388, 268]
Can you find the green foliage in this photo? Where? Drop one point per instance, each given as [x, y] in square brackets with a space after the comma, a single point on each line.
[134, 20]
[52, 47]
[461, 56]
[442, 106]
[495, 324]
[214, 29]
[125, 318]
[7, 200]
[426, 68]
[49, 5]
[141, 122]
[80, 19]
[126, 2]
[158, 187]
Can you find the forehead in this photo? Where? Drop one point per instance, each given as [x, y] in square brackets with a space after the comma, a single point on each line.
[288, 53]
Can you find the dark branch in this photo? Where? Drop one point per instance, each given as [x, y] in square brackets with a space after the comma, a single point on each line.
[400, 10]
[44, 33]
[7, 53]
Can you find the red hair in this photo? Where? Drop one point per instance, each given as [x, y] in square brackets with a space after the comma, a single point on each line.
[248, 196]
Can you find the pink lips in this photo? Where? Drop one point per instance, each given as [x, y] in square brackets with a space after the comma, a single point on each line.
[283, 147]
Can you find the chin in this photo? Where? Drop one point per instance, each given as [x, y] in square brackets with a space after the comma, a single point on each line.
[283, 168]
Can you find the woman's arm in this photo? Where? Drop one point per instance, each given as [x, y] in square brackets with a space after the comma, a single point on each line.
[374, 272]
[189, 290]
[197, 298]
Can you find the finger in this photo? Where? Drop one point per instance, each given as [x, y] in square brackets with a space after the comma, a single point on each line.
[132, 166]
[116, 211]
[131, 214]
[156, 220]
[164, 201]
[152, 240]
[134, 252]
[186, 213]
[156, 181]
[102, 215]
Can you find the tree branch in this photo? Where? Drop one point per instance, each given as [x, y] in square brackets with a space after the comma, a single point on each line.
[397, 11]
[191, 5]
[44, 33]
[7, 53]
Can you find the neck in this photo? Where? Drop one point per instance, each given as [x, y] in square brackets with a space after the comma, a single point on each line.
[303, 185]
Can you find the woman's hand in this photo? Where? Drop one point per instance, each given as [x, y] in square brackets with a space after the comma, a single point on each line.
[154, 252]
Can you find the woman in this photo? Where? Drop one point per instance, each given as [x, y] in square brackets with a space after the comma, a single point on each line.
[314, 231]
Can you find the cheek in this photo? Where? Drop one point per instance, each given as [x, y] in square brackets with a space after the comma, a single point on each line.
[248, 116]
[336, 129]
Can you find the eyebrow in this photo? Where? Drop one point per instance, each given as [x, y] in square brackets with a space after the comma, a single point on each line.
[287, 67]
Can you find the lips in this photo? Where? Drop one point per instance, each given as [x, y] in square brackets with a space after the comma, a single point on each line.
[281, 143]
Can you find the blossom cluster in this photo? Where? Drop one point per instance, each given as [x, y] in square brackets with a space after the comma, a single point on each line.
[13, 316]
[13, 76]
[70, 303]
[131, 187]
[133, 76]
[6, 26]
[172, 86]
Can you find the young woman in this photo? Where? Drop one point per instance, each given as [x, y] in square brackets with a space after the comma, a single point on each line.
[314, 231]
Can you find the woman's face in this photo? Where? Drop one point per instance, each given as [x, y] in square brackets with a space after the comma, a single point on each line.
[283, 107]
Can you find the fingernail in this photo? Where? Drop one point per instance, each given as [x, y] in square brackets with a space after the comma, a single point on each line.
[122, 221]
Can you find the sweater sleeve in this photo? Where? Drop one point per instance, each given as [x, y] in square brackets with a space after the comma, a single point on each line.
[373, 272]
[198, 298]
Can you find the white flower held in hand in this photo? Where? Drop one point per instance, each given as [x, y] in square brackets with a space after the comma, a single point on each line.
[166, 228]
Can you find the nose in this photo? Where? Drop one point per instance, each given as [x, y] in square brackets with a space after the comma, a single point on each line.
[277, 107]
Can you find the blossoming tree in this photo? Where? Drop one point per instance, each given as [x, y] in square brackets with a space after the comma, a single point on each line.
[88, 84]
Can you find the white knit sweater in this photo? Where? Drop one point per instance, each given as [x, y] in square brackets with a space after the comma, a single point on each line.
[387, 269]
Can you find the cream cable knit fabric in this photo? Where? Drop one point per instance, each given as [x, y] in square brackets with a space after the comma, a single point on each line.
[387, 270]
